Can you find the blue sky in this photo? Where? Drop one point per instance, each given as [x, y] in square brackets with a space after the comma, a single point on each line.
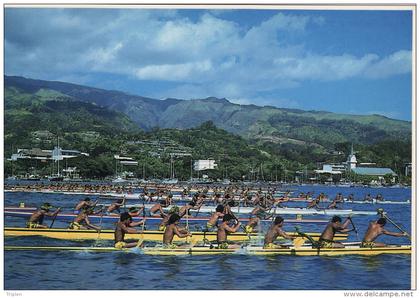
[353, 62]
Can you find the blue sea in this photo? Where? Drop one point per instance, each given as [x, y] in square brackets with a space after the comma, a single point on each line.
[38, 270]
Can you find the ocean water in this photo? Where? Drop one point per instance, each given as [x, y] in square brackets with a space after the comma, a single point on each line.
[38, 270]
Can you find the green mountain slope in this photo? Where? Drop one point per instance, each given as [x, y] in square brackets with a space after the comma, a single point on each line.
[49, 110]
[281, 144]
[263, 124]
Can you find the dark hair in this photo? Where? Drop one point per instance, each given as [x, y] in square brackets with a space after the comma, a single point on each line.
[228, 217]
[278, 220]
[220, 208]
[124, 216]
[381, 221]
[46, 206]
[191, 204]
[336, 219]
[87, 199]
[173, 218]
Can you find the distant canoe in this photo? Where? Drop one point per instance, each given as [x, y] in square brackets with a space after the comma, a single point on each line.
[150, 219]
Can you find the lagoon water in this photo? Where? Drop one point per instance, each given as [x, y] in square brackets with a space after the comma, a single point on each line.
[38, 270]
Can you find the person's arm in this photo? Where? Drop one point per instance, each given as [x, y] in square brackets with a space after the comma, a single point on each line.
[181, 235]
[135, 224]
[129, 230]
[394, 234]
[121, 204]
[198, 206]
[283, 234]
[233, 229]
[345, 230]
[54, 213]
[346, 223]
[161, 211]
[91, 225]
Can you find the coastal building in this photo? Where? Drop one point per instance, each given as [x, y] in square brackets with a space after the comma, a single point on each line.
[36, 153]
[351, 166]
[408, 169]
[351, 160]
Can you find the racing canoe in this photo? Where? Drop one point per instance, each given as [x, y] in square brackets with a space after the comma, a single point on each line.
[248, 210]
[302, 251]
[149, 219]
[66, 234]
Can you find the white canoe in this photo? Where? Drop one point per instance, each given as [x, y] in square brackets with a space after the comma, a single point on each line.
[279, 211]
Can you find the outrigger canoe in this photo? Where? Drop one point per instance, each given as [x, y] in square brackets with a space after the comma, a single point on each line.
[292, 251]
[150, 219]
[248, 210]
[373, 202]
[66, 234]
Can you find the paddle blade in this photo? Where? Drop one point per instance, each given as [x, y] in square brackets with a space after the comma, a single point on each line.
[140, 242]
[298, 242]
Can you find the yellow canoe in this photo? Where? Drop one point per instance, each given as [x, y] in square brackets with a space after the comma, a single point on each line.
[66, 234]
[302, 251]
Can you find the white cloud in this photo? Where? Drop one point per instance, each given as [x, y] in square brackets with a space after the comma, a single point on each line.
[397, 63]
[210, 56]
[263, 101]
[174, 72]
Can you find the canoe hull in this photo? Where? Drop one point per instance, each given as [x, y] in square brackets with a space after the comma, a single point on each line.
[305, 251]
[65, 234]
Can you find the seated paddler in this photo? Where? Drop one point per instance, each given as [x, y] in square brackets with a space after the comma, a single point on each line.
[212, 223]
[376, 229]
[275, 231]
[37, 218]
[123, 227]
[326, 240]
[225, 228]
[82, 222]
[171, 230]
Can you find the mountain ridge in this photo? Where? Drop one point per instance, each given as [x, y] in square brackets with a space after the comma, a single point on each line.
[250, 121]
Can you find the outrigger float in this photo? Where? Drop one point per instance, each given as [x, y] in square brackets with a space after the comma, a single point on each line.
[66, 234]
[250, 250]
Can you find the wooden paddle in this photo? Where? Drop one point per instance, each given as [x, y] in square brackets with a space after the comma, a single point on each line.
[383, 214]
[100, 225]
[193, 242]
[298, 242]
[354, 228]
[144, 217]
[140, 242]
[55, 216]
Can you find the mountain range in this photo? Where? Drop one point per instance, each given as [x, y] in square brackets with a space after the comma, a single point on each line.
[257, 123]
